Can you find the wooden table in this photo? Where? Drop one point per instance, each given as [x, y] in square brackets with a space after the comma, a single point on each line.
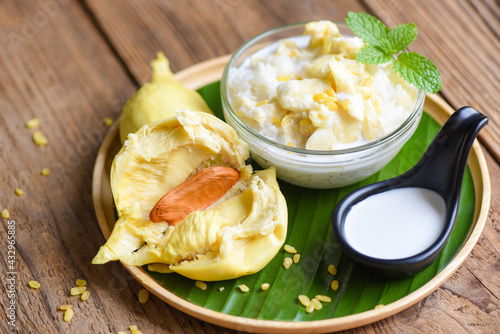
[72, 63]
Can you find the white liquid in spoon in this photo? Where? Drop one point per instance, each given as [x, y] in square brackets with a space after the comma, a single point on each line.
[396, 224]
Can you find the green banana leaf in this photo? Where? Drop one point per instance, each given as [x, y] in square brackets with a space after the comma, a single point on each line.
[310, 232]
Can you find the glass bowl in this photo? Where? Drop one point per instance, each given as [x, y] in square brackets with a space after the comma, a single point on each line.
[314, 168]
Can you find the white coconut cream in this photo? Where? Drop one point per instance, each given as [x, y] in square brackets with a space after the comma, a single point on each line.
[310, 92]
[396, 224]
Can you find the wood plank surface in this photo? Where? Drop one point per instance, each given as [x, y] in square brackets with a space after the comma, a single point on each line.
[71, 63]
[192, 31]
[56, 66]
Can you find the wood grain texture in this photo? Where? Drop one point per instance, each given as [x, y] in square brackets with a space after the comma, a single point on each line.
[192, 31]
[71, 63]
[56, 66]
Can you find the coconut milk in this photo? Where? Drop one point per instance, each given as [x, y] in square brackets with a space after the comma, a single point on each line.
[396, 224]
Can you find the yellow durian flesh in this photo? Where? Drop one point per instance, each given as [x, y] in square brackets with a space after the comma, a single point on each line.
[236, 236]
[252, 236]
[158, 99]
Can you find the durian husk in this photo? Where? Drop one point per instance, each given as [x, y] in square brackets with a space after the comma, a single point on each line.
[158, 99]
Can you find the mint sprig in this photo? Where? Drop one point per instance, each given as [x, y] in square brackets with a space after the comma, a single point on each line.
[368, 27]
[385, 45]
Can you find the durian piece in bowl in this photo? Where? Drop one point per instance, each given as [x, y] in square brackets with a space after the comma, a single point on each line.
[238, 235]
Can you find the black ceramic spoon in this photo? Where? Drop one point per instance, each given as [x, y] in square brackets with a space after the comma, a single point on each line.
[440, 169]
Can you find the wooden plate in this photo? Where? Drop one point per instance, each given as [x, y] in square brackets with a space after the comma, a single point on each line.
[211, 71]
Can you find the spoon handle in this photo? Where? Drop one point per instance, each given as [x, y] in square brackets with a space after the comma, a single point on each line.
[442, 166]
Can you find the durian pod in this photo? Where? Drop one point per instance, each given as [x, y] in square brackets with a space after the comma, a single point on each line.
[158, 99]
[237, 235]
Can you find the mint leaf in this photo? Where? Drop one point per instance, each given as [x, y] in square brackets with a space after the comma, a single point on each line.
[384, 45]
[419, 71]
[370, 54]
[401, 36]
[366, 26]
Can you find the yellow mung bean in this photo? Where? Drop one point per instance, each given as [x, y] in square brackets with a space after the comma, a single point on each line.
[346, 104]
[287, 262]
[108, 122]
[34, 284]
[317, 304]
[32, 123]
[81, 282]
[330, 92]
[201, 285]
[45, 171]
[77, 290]
[243, 288]
[318, 97]
[323, 298]
[332, 270]
[290, 249]
[143, 296]
[304, 300]
[331, 105]
[276, 121]
[68, 314]
[85, 295]
[40, 139]
[261, 103]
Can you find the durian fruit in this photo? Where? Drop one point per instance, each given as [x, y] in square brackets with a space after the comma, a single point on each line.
[158, 99]
[237, 235]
